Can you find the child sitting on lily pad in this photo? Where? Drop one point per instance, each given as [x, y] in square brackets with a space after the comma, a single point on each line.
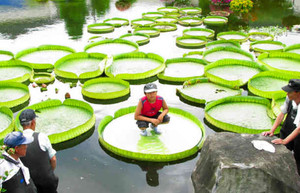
[148, 110]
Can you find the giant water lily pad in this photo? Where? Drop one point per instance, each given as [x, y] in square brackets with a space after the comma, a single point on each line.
[268, 84]
[101, 28]
[276, 104]
[240, 114]
[117, 22]
[218, 53]
[6, 55]
[6, 121]
[267, 46]
[190, 21]
[42, 58]
[203, 32]
[144, 22]
[15, 71]
[42, 78]
[139, 38]
[233, 35]
[190, 10]
[164, 27]
[202, 91]
[120, 135]
[182, 69]
[215, 20]
[222, 43]
[260, 36]
[168, 9]
[80, 65]
[135, 66]
[112, 47]
[281, 62]
[191, 41]
[193, 54]
[231, 72]
[153, 15]
[166, 19]
[105, 88]
[13, 94]
[295, 48]
[62, 121]
[151, 31]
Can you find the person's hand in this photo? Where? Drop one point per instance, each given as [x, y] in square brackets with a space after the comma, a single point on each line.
[267, 133]
[160, 119]
[277, 141]
[155, 122]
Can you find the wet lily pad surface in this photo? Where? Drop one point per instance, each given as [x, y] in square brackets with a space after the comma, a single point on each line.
[44, 56]
[9, 94]
[184, 69]
[243, 114]
[5, 121]
[59, 119]
[124, 134]
[208, 91]
[218, 55]
[7, 73]
[283, 63]
[268, 83]
[112, 48]
[236, 72]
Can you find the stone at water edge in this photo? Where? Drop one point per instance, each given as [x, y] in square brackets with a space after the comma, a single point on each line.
[229, 163]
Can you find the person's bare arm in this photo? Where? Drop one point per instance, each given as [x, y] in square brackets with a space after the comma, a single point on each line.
[138, 116]
[289, 138]
[165, 111]
[53, 162]
[275, 125]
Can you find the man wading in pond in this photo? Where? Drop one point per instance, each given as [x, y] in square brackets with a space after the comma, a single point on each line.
[147, 110]
[40, 157]
[290, 107]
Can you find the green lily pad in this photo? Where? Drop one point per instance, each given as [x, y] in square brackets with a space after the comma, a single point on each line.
[139, 38]
[117, 22]
[182, 69]
[172, 144]
[260, 36]
[13, 94]
[153, 15]
[151, 31]
[233, 35]
[168, 9]
[201, 91]
[166, 19]
[190, 21]
[215, 20]
[200, 32]
[15, 71]
[135, 66]
[222, 43]
[165, 27]
[105, 88]
[144, 22]
[276, 104]
[112, 47]
[295, 48]
[268, 84]
[42, 78]
[267, 46]
[281, 62]
[101, 28]
[190, 10]
[194, 54]
[218, 53]
[6, 121]
[6, 55]
[62, 121]
[42, 58]
[80, 65]
[240, 114]
[232, 73]
[191, 41]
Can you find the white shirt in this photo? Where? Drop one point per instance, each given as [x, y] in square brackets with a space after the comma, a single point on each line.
[12, 169]
[284, 109]
[44, 142]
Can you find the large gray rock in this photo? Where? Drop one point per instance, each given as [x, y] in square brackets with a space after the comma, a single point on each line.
[230, 163]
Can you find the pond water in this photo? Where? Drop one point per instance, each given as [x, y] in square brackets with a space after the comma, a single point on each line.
[83, 165]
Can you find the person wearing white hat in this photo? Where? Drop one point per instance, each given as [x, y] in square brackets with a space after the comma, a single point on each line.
[148, 110]
[15, 177]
